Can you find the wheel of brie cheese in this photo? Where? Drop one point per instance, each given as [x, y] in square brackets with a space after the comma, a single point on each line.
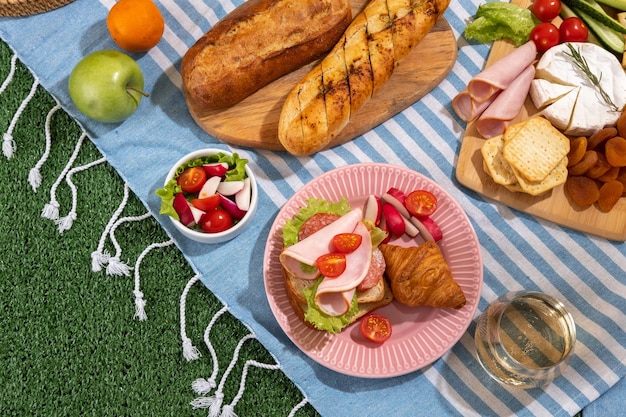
[565, 96]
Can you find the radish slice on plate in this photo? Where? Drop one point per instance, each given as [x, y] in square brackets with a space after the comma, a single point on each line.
[397, 203]
[393, 219]
[197, 214]
[409, 228]
[428, 228]
[373, 209]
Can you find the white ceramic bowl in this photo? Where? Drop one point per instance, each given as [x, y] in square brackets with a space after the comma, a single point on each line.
[234, 231]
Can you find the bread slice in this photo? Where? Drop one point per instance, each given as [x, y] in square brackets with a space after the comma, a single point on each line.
[369, 300]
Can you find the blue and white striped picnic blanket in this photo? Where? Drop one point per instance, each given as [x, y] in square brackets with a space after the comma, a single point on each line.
[519, 250]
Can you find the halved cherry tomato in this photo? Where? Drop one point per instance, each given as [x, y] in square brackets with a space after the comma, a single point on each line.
[331, 265]
[421, 203]
[376, 327]
[206, 203]
[192, 179]
[347, 242]
[216, 221]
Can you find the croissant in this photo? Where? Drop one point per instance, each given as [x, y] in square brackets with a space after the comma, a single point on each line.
[420, 276]
[324, 100]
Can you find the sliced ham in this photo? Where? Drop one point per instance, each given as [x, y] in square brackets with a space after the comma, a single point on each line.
[501, 73]
[494, 120]
[466, 108]
[334, 295]
[308, 250]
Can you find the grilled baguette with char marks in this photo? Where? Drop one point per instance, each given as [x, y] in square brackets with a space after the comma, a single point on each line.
[371, 47]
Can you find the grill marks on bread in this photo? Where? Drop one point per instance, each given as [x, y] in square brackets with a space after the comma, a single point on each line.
[359, 65]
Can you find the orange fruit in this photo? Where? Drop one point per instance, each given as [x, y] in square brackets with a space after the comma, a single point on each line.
[135, 25]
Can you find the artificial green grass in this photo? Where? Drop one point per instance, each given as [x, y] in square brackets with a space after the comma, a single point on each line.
[69, 344]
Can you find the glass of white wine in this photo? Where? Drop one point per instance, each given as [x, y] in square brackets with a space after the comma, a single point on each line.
[525, 339]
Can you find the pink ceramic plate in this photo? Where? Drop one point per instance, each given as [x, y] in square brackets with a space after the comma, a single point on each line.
[420, 335]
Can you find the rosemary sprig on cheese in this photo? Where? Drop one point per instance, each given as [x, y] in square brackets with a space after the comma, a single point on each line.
[582, 64]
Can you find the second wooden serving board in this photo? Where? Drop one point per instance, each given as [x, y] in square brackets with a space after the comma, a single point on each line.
[253, 122]
[554, 205]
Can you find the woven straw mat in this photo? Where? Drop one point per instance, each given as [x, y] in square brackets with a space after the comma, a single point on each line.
[29, 7]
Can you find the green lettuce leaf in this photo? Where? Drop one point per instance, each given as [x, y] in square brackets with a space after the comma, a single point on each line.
[321, 320]
[236, 172]
[498, 20]
[314, 206]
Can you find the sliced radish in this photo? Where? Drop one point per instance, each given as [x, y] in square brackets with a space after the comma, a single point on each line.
[197, 214]
[397, 203]
[409, 228]
[210, 187]
[393, 219]
[229, 187]
[181, 206]
[216, 169]
[373, 209]
[428, 228]
[383, 226]
[399, 195]
[231, 207]
[242, 198]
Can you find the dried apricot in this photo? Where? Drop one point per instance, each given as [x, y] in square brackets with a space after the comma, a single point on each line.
[577, 148]
[621, 125]
[615, 150]
[621, 177]
[609, 194]
[582, 190]
[135, 25]
[609, 175]
[600, 168]
[600, 136]
[590, 158]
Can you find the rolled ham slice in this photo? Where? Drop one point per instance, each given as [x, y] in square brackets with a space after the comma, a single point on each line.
[308, 250]
[507, 105]
[334, 295]
[466, 108]
[501, 73]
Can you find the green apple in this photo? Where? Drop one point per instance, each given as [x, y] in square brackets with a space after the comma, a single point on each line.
[107, 86]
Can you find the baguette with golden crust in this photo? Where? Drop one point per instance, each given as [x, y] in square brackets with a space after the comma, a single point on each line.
[323, 101]
[257, 43]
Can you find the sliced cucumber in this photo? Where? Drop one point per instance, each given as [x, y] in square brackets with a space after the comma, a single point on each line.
[616, 4]
[612, 40]
[592, 9]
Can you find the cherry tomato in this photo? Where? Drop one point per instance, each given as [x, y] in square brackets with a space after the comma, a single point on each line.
[573, 29]
[331, 265]
[546, 10]
[545, 35]
[216, 221]
[192, 179]
[421, 203]
[207, 203]
[347, 242]
[376, 327]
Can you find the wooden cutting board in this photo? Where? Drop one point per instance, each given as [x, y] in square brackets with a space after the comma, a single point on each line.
[254, 121]
[555, 205]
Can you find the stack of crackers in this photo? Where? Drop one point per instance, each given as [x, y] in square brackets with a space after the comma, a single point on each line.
[529, 157]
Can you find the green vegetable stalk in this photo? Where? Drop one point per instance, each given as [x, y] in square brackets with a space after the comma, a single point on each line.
[497, 20]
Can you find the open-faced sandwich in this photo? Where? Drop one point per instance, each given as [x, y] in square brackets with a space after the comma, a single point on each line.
[332, 266]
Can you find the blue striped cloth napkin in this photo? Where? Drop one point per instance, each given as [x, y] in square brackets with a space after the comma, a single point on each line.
[519, 251]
